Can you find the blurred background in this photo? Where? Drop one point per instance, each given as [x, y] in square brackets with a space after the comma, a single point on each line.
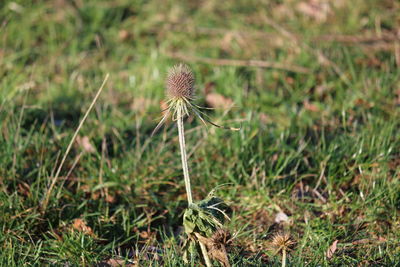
[314, 84]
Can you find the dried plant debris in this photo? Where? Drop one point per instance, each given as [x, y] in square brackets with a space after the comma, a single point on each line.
[203, 223]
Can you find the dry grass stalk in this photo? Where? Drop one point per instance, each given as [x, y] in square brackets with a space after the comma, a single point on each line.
[55, 178]
[239, 62]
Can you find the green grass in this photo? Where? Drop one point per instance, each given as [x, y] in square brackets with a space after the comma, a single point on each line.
[335, 129]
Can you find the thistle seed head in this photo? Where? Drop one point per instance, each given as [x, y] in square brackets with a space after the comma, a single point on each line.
[282, 241]
[180, 82]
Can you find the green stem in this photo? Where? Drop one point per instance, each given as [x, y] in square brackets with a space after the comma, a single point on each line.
[184, 156]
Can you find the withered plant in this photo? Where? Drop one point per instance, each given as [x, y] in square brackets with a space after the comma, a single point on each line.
[202, 219]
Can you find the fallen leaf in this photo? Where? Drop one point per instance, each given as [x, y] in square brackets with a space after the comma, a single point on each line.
[331, 250]
[141, 104]
[80, 226]
[216, 246]
[216, 100]
[281, 217]
[311, 107]
[226, 42]
[264, 118]
[397, 98]
[123, 35]
[316, 9]
[85, 144]
[24, 189]
[382, 239]
[110, 198]
[209, 88]
[363, 103]
[164, 107]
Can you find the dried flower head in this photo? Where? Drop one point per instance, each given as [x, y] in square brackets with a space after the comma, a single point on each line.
[221, 237]
[180, 82]
[180, 86]
[282, 242]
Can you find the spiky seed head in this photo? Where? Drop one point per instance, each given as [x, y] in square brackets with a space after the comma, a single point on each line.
[282, 241]
[180, 82]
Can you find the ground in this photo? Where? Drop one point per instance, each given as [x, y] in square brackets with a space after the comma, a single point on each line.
[313, 84]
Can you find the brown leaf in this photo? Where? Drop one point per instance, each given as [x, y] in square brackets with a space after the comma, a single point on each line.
[80, 226]
[363, 103]
[281, 217]
[397, 98]
[382, 239]
[164, 107]
[110, 198]
[123, 35]
[209, 88]
[216, 100]
[264, 118]
[316, 9]
[141, 104]
[85, 144]
[331, 250]
[311, 107]
[226, 42]
[216, 248]
[24, 189]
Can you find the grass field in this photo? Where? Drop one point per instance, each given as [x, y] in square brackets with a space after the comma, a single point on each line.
[314, 85]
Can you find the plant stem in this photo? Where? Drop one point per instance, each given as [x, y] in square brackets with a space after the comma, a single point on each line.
[284, 258]
[205, 255]
[184, 156]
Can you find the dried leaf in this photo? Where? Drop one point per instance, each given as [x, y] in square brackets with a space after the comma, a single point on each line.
[264, 118]
[331, 250]
[281, 217]
[123, 35]
[80, 226]
[141, 104]
[316, 9]
[311, 107]
[164, 107]
[216, 100]
[110, 198]
[85, 144]
[24, 189]
[216, 247]
[226, 42]
[209, 88]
